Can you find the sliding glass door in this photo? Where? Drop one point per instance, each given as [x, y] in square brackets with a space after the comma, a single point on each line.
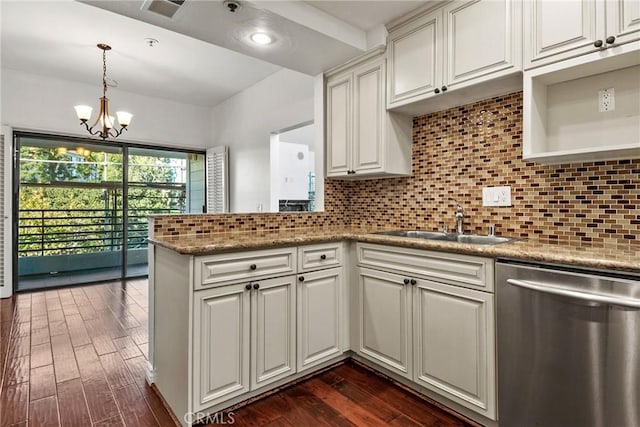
[83, 207]
[159, 182]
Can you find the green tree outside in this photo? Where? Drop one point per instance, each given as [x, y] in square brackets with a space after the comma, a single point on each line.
[72, 203]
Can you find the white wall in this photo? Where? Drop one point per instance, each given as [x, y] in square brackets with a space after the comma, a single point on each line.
[39, 103]
[302, 135]
[245, 121]
[293, 173]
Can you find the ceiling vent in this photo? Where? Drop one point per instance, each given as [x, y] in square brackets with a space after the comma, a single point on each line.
[166, 8]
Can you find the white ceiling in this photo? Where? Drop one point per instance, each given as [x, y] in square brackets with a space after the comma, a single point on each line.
[179, 67]
[366, 15]
[303, 135]
[201, 58]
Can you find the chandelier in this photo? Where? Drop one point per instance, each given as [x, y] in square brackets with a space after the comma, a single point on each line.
[104, 124]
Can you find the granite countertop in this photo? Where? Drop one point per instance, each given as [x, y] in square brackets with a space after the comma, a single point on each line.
[615, 258]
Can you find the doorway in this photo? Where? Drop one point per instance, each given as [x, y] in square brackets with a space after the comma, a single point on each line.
[82, 207]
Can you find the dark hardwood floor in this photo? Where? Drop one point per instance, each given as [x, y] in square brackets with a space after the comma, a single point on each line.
[77, 357]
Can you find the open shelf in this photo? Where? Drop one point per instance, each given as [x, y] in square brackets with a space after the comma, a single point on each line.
[562, 122]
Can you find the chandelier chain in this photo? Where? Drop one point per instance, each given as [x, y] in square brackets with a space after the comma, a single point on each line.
[104, 73]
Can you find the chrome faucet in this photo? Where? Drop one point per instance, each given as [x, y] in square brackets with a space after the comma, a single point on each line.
[459, 217]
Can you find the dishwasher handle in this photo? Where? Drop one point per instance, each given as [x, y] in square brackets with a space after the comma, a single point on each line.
[605, 299]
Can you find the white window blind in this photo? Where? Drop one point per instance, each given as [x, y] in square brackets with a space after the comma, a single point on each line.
[3, 214]
[217, 170]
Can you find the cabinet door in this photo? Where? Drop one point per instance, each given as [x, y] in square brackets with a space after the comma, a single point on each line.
[320, 323]
[454, 341]
[623, 20]
[560, 29]
[482, 38]
[415, 59]
[339, 121]
[273, 330]
[221, 354]
[369, 111]
[384, 315]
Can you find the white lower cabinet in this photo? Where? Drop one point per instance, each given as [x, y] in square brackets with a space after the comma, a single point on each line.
[245, 338]
[250, 334]
[453, 344]
[221, 354]
[384, 312]
[273, 330]
[425, 316]
[319, 317]
[440, 336]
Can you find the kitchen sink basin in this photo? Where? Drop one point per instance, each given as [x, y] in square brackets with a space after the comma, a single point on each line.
[476, 239]
[431, 235]
[473, 239]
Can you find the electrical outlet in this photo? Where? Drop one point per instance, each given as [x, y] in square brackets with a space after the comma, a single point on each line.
[496, 196]
[606, 100]
[504, 195]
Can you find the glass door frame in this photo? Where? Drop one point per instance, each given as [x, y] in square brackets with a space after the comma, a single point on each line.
[123, 145]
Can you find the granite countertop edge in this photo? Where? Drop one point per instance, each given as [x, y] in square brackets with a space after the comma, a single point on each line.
[522, 249]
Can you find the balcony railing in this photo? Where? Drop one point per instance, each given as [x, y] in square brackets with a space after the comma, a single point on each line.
[48, 232]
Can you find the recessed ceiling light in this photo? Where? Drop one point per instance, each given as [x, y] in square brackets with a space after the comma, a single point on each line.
[261, 38]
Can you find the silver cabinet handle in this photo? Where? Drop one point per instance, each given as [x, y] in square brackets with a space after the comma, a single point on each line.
[624, 302]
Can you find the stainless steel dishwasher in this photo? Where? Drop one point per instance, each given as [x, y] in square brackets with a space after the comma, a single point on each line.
[568, 346]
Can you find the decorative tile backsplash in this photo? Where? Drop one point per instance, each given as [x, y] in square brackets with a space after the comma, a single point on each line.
[334, 215]
[456, 152]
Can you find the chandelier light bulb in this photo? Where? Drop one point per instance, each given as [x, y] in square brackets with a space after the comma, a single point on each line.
[83, 112]
[124, 118]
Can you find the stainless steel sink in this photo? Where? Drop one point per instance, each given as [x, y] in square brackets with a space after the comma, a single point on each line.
[473, 239]
[430, 235]
[476, 239]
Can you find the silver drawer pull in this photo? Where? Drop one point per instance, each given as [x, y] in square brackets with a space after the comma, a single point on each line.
[624, 302]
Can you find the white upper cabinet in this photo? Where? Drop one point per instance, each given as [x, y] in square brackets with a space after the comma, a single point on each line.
[415, 58]
[557, 30]
[363, 139]
[623, 20]
[368, 117]
[575, 49]
[482, 39]
[458, 45]
[339, 125]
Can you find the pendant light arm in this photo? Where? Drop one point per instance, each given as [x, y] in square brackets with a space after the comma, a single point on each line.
[104, 124]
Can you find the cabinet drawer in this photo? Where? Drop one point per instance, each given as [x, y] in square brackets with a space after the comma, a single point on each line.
[462, 270]
[242, 266]
[314, 257]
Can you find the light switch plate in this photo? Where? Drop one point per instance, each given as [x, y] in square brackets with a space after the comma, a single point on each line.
[496, 196]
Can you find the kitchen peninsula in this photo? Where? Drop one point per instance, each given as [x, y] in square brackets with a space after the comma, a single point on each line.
[236, 314]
